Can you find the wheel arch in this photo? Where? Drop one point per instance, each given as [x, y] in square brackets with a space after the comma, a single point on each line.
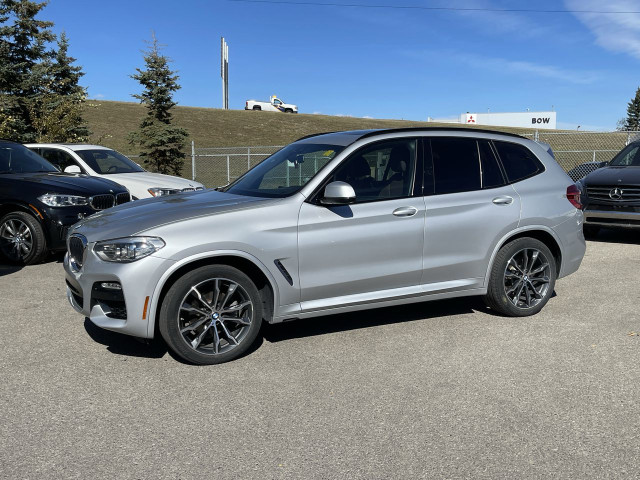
[247, 264]
[544, 234]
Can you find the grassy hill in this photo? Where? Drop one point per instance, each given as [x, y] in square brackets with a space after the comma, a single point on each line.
[110, 123]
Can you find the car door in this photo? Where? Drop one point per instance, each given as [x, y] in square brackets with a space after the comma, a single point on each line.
[469, 208]
[373, 245]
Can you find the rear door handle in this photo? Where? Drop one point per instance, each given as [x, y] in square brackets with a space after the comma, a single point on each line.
[505, 200]
[405, 211]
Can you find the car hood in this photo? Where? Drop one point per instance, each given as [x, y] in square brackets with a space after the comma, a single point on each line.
[151, 180]
[68, 183]
[136, 217]
[608, 176]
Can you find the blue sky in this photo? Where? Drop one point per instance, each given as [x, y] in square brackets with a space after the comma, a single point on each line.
[381, 63]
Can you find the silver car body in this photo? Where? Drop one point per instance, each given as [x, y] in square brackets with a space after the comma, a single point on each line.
[366, 258]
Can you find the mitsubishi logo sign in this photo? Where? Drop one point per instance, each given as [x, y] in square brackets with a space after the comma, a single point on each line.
[471, 118]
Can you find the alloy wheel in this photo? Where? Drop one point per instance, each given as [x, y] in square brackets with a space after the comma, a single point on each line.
[526, 278]
[215, 316]
[16, 239]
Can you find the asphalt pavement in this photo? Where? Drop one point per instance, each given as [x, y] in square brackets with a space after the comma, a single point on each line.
[433, 390]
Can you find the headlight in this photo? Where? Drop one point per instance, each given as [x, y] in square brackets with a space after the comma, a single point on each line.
[125, 250]
[54, 200]
[159, 191]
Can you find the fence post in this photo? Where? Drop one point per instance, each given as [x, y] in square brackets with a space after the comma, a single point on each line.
[594, 155]
[193, 160]
[628, 138]
[536, 136]
[228, 172]
[248, 158]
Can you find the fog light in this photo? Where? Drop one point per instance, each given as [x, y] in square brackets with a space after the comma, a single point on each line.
[111, 286]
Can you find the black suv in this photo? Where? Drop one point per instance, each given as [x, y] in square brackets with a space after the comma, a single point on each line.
[611, 195]
[38, 203]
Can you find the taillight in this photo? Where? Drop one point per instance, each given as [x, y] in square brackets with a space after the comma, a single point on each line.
[573, 195]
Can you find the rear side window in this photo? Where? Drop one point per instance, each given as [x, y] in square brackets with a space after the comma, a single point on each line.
[456, 166]
[518, 161]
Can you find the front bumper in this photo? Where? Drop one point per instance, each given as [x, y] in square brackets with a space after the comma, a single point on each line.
[627, 218]
[138, 280]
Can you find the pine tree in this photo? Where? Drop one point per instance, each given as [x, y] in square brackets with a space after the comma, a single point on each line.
[23, 75]
[161, 143]
[57, 113]
[633, 113]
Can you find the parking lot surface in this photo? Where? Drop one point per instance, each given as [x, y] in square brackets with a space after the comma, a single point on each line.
[432, 390]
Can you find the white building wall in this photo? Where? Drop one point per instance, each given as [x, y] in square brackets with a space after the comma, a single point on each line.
[515, 119]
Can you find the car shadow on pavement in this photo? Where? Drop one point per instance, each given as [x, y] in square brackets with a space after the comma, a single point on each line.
[606, 235]
[372, 318]
[120, 344]
[9, 269]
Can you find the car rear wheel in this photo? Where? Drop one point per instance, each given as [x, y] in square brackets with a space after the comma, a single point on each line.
[256, 107]
[22, 239]
[522, 278]
[211, 315]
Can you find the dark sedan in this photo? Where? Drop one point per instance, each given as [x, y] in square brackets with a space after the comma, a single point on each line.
[611, 195]
[38, 203]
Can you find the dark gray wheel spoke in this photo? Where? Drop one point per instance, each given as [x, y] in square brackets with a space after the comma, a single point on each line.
[527, 278]
[215, 316]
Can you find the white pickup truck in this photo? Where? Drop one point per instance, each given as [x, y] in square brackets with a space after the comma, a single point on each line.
[273, 105]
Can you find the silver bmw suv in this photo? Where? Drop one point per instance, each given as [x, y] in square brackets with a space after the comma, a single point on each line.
[332, 223]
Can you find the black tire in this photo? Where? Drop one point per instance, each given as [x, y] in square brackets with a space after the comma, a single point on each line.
[590, 230]
[33, 239]
[500, 280]
[257, 107]
[288, 110]
[174, 317]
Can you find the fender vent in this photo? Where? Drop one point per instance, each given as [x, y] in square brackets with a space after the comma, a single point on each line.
[284, 272]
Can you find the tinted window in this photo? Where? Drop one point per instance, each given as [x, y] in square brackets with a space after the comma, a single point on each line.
[518, 161]
[59, 158]
[286, 171]
[15, 158]
[105, 162]
[628, 157]
[456, 167]
[491, 173]
[381, 171]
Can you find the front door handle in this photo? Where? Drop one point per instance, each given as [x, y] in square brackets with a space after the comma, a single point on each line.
[405, 211]
[505, 200]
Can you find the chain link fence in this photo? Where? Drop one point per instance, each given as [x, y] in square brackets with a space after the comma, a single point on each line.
[579, 153]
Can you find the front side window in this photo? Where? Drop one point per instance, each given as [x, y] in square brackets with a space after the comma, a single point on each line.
[628, 157]
[15, 158]
[106, 162]
[382, 171]
[59, 158]
[285, 172]
[456, 166]
[518, 161]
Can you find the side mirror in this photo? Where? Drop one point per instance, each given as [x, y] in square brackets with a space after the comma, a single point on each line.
[603, 164]
[338, 193]
[72, 169]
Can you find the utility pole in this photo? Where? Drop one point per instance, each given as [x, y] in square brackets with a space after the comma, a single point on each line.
[224, 72]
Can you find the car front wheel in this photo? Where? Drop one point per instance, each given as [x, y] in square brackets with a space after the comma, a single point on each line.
[522, 278]
[211, 315]
[22, 239]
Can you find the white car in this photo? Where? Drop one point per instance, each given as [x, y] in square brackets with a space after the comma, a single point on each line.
[273, 105]
[98, 161]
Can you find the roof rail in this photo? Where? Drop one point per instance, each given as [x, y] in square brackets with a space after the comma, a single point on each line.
[432, 129]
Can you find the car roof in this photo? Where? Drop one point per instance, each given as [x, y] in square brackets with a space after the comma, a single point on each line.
[70, 146]
[350, 136]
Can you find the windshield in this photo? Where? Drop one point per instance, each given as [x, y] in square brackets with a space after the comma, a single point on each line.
[628, 157]
[16, 158]
[107, 162]
[285, 172]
